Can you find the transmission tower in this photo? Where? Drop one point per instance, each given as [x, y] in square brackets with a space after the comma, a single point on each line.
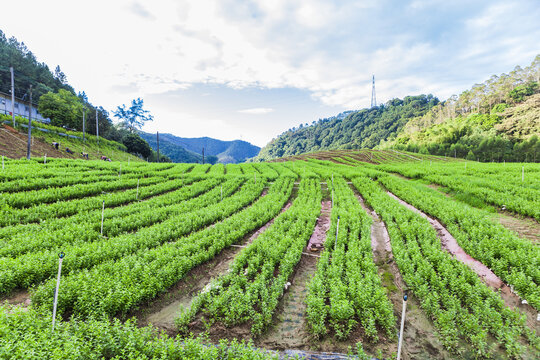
[373, 99]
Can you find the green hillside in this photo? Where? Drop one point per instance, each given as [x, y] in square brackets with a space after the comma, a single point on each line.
[361, 129]
[44, 135]
[493, 121]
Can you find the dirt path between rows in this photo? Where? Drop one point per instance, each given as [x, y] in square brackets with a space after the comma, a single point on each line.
[162, 312]
[420, 341]
[449, 243]
[289, 328]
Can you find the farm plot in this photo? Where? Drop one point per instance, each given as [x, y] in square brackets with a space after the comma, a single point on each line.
[225, 251]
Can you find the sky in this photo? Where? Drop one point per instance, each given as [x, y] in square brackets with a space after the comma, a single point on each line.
[249, 70]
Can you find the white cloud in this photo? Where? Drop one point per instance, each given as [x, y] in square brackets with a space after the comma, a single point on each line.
[256, 111]
[320, 46]
[140, 10]
[118, 50]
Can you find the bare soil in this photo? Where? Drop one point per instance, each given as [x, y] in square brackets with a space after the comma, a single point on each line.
[18, 298]
[289, 330]
[322, 225]
[449, 243]
[13, 145]
[525, 227]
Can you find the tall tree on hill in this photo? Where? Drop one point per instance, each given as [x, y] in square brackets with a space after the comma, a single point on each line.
[63, 108]
[59, 75]
[134, 117]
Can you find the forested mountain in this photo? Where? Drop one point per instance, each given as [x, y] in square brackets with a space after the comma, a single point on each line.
[498, 119]
[174, 152]
[493, 121]
[180, 149]
[360, 129]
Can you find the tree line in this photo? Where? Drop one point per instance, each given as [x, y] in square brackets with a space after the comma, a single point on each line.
[492, 121]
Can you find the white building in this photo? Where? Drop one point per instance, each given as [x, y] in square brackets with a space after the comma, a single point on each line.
[21, 108]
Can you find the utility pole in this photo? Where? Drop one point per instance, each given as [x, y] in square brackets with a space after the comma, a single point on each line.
[203, 155]
[12, 96]
[97, 127]
[157, 140]
[83, 122]
[29, 126]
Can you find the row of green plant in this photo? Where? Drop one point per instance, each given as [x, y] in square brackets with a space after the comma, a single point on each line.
[115, 286]
[520, 200]
[189, 216]
[515, 174]
[513, 187]
[255, 282]
[516, 261]
[101, 184]
[85, 227]
[266, 170]
[50, 222]
[451, 294]
[35, 168]
[65, 178]
[346, 290]
[126, 192]
[27, 335]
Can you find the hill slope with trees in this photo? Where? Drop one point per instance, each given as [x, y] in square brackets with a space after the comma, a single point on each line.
[493, 121]
[360, 129]
[56, 99]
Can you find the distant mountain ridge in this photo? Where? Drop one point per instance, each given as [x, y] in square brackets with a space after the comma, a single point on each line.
[180, 149]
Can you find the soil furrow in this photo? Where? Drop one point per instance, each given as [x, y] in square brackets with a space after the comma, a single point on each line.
[289, 329]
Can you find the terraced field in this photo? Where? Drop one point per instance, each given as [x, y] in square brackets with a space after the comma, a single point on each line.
[311, 255]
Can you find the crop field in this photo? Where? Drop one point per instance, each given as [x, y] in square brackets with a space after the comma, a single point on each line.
[266, 260]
